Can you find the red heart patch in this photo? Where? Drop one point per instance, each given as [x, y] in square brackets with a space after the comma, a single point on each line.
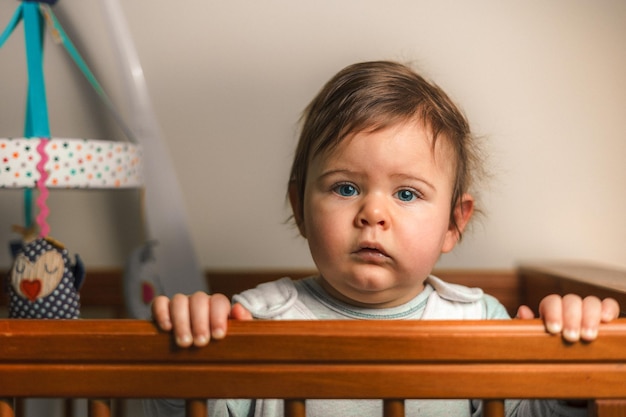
[147, 292]
[31, 288]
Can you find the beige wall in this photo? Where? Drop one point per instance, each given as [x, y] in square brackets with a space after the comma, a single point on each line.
[543, 82]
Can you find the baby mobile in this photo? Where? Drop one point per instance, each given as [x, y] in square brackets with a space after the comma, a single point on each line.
[43, 281]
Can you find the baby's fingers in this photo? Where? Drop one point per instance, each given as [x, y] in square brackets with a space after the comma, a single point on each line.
[239, 312]
[562, 315]
[208, 316]
[591, 317]
[199, 318]
[572, 317]
[525, 313]
[161, 312]
[610, 310]
[551, 311]
[181, 320]
[219, 313]
[577, 318]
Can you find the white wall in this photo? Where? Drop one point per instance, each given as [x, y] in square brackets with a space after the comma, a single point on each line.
[543, 82]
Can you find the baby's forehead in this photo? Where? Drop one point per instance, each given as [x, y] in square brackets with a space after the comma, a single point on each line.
[434, 151]
[440, 145]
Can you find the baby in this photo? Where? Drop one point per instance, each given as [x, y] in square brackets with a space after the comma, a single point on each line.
[380, 188]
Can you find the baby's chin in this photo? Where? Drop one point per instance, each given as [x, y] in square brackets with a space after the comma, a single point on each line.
[370, 293]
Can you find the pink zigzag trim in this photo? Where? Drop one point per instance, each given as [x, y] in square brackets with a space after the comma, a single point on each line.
[44, 229]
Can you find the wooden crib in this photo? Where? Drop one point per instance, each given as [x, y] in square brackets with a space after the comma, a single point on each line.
[390, 360]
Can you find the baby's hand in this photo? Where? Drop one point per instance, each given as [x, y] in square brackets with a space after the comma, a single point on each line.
[575, 318]
[197, 318]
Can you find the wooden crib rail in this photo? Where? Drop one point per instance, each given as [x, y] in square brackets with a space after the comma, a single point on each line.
[391, 360]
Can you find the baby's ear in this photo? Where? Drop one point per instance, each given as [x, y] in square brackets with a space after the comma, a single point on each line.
[297, 207]
[462, 214]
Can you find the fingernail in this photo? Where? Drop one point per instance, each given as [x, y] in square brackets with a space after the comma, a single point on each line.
[201, 340]
[185, 340]
[571, 335]
[218, 333]
[553, 327]
[589, 334]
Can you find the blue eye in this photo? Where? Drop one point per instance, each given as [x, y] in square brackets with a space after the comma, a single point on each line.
[406, 195]
[346, 190]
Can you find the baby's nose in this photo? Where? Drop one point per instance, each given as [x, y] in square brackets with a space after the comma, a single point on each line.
[373, 213]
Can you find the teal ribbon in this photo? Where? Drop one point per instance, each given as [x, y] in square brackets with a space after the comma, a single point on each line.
[84, 68]
[17, 16]
[36, 124]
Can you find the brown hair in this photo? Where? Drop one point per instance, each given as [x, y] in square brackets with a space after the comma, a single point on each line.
[375, 95]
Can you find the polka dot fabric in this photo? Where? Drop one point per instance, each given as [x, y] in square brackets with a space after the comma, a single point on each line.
[72, 163]
[62, 303]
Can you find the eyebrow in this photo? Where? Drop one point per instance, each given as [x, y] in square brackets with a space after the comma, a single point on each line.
[336, 171]
[324, 175]
[408, 177]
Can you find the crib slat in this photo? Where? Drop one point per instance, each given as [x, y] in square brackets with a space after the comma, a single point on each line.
[7, 407]
[493, 408]
[393, 408]
[68, 407]
[196, 408]
[19, 406]
[99, 408]
[295, 408]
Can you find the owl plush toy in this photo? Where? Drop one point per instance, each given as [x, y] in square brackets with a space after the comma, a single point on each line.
[43, 284]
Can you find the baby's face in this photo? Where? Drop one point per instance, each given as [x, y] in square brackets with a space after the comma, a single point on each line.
[376, 214]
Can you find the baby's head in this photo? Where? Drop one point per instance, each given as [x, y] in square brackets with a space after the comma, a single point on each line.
[372, 96]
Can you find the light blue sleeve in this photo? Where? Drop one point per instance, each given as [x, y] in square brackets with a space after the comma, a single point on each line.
[494, 310]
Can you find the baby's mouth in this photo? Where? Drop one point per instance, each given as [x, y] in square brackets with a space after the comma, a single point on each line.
[371, 253]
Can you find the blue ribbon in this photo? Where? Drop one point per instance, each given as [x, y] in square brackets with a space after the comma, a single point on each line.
[36, 120]
[36, 124]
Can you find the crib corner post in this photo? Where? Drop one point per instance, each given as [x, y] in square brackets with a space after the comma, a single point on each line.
[607, 408]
